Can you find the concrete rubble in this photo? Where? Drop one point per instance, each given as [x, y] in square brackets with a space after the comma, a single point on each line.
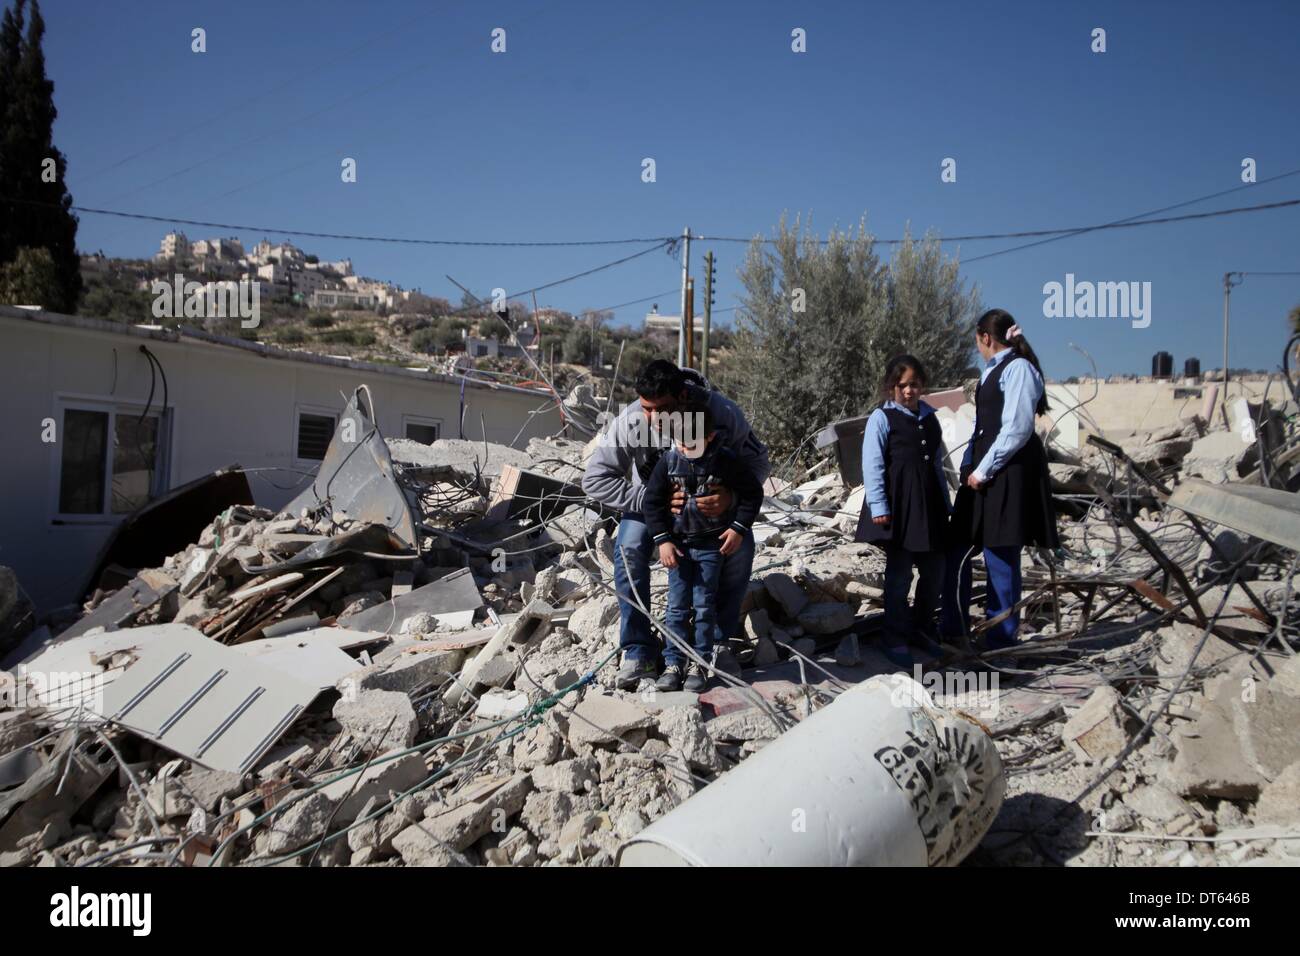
[476, 722]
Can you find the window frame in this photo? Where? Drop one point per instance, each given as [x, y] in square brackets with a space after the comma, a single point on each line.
[300, 409]
[421, 420]
[112, 407]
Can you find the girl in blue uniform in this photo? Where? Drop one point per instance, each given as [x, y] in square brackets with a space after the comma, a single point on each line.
[905, 510]
[1005, 500]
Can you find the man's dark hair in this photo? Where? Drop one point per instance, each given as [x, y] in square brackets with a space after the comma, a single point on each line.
[659, 379]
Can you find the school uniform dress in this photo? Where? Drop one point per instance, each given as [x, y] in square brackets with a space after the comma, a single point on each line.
[1013, 508]
[902, 470]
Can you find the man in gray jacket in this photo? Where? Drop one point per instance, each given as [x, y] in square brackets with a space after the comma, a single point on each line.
[626, 454]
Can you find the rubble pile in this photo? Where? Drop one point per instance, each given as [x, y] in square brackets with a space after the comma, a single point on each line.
[413, 664]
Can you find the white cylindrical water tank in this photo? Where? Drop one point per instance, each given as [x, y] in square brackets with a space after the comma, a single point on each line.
[880, 777]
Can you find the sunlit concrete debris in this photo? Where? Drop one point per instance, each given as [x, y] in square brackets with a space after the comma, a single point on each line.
[456, 678]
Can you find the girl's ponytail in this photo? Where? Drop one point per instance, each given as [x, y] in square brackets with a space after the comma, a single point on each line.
[1006, 333]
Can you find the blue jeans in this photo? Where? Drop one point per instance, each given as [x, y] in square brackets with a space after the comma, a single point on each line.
[632, 584]
[900, 624]
[693, 585]
[1003, 567]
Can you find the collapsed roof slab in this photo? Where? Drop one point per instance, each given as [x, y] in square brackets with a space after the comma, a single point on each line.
[1264, 513]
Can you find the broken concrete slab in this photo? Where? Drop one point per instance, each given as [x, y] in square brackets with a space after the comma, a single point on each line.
[414, 667]
[1279, 801]
[684, 729]
[1265, 513]
[1097, 731]
[600, 719]
[578, 775]
[738, 726]
[353, 792]
[1267, 724]
[591, 618]
[418, 847]
[1209, 762]
[378, 719]
[464, 825]
[207, 788]
[1157, 803]
[300, 824]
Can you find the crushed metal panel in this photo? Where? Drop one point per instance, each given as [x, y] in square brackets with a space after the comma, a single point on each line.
[452, 600]
[1264, 513]
[206, 701]
[356, 479]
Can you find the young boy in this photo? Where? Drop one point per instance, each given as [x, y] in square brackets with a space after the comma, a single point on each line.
[691, 545]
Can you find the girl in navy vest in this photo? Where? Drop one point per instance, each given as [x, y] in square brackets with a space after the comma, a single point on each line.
[905, 510]
[1005, 500]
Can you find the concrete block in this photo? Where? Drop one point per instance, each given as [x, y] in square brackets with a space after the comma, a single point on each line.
[1097, 732]
[599, 717]
[382, 720]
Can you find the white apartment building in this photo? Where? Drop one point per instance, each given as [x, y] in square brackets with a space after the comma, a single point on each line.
[281, 280]
[218, 248]
[174, 245]
[342, 299]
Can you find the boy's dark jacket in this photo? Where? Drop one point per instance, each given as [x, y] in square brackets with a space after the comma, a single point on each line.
[718, 466]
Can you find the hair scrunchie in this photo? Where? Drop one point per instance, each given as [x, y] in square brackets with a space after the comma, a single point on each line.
[1014, 333]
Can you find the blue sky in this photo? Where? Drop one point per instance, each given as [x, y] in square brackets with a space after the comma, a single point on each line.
[545, 142]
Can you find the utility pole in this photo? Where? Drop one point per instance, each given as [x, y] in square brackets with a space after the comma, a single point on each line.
[709, 267]
[686, 271]
[690, 323]
[1228, 283]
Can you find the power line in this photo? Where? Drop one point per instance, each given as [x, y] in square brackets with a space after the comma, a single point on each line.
[1056, 233]
[659, 240]
[1142, 215]
[657, 295]
[175, 221]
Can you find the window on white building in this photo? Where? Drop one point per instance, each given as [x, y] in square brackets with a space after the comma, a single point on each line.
[425, 430]
[314, 433]
[112, 459]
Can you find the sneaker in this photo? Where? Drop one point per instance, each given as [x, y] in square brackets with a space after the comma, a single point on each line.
[671, 679]
[696, 678]
[632, 671]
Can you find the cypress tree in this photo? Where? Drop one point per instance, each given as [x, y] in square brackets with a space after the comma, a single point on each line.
[41, 217]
